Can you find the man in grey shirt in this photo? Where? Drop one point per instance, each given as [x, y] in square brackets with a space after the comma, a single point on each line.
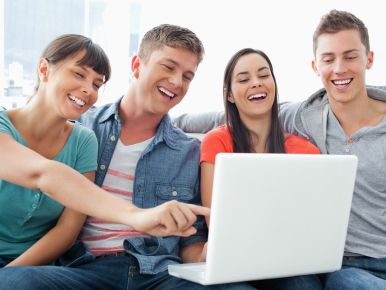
[345, 117]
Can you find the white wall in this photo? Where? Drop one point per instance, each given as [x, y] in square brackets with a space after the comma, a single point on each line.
[279, 28]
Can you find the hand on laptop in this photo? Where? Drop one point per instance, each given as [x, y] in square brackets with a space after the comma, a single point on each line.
[171, 218]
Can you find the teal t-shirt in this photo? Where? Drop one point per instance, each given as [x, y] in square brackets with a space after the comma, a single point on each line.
[26, 215]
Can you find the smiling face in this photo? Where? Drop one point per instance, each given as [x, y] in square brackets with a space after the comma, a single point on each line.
[163, 79]
[341, 61]
[69, 88]
[252, 87]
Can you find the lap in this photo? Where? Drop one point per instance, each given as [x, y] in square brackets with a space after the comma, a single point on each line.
[354, 279]
[104, 273]
[305, 282]
[163, 281]
[98, 274]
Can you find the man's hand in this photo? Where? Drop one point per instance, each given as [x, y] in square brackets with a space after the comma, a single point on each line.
[172, 218]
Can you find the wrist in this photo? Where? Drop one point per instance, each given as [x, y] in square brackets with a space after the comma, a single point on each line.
[129, 215]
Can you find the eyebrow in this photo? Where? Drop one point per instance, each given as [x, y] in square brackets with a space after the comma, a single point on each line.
[245, 72]
[344, 52]
[177, 64]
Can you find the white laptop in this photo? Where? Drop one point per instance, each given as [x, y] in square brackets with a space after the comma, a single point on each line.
[275, 215]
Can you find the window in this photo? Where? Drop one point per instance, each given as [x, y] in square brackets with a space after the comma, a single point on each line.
[30, 25]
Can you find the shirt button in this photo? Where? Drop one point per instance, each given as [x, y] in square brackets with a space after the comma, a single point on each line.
[112, 138]
[174, 193]
[347, 150]
[102, 167]
[34, 206]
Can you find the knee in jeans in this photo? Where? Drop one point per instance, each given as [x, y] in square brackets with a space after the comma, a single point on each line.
[350, 279]
[13, 278]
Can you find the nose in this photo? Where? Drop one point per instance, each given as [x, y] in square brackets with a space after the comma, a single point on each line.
[176, 80]
[87, 88]
[339, 66]
[256, 83]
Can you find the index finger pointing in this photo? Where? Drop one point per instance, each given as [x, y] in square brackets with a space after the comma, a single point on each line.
[199, 210]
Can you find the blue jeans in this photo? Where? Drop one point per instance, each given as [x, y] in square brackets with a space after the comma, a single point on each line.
[358, 273]
[109, 272]
[306, 282]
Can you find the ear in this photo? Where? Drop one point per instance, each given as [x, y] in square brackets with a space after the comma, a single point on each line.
[314, 67]
[43, 70]
[231, 98]
[370, 60]
[135, 63]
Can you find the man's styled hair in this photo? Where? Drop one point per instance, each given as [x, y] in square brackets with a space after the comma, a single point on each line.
[336, 21]
[173, 36]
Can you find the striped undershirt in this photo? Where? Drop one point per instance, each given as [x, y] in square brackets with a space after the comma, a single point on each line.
[103, 238]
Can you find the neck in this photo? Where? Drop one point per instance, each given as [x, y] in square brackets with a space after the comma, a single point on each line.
[259, 130]
[137, 124]
[359, 113]
[39, 120]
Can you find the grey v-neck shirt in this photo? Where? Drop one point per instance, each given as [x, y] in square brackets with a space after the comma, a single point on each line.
[367, 226]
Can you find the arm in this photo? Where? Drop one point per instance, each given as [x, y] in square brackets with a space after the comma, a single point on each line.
[58, 240]
[199, 123]
[287, 114]
[207, 173]
[193, 253]
[197, 252]
[31, 170]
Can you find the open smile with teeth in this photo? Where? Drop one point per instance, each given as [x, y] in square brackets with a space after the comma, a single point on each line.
[341, 82]
[166, 92]
[77, 101]
[257, 97]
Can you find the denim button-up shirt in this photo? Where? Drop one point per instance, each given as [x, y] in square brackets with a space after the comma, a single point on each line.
[167, 169]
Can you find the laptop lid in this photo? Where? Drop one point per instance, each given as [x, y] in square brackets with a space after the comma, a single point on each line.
[277, 215]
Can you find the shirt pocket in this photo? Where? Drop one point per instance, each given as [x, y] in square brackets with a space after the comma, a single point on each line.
[166, 192]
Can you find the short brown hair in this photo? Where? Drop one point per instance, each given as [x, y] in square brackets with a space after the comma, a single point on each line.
[172, 36]
[336, 21]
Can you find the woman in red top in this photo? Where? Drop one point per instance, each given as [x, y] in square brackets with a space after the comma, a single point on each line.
[251, 112]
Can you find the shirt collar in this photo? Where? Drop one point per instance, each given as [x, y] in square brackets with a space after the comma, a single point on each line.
[165, 133]
[111, 112]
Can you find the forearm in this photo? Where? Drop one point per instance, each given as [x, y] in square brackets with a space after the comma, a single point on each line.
[71, 189]
[50, 247]
[199, 123]
[192, 253]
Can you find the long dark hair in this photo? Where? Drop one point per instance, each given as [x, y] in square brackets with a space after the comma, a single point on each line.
[242, 141]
